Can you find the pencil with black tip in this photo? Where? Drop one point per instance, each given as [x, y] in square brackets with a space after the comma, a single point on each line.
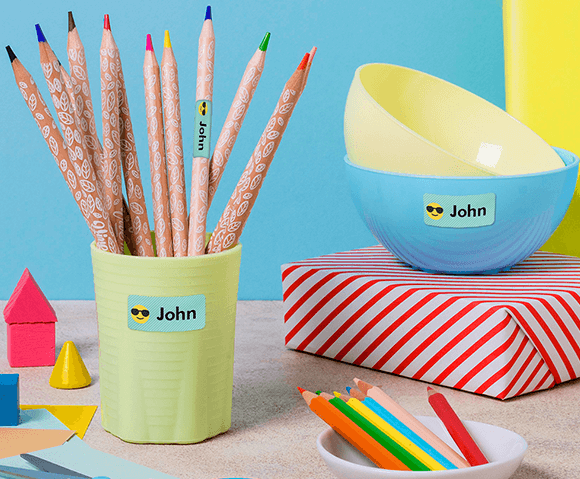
[456, 429]
[351, 432]
[386, 416]
[411, 421]
[83, 192]
[235, 119]
[155, 134]
[234, 218]
[174, 148]
[111, 153]
[201, 139]
[137, 208]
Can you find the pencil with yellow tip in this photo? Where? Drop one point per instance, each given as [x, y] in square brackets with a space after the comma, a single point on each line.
[174, 149]
[202, 139]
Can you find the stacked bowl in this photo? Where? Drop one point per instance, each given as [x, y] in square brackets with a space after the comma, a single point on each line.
[445, 180]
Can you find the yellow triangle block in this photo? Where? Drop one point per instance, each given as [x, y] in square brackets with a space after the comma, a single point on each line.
[69, 371]
[77, 418]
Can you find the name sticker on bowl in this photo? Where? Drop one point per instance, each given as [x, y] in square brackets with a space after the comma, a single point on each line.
[471, 211]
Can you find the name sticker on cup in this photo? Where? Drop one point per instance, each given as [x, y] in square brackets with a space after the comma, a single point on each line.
[470, 211]
[166, 314]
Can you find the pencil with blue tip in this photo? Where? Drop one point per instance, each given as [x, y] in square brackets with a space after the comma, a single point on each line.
[201, 139]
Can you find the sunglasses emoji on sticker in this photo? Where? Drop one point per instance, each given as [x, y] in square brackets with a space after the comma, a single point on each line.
[434, 211]
[140, 314]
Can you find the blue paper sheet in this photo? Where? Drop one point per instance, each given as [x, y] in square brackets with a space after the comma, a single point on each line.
[75, 454]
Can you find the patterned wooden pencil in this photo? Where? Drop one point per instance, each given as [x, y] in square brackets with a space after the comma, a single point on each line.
[135, 198]
[456, 429]
[351, 432]
[410, 421]
[235, 118]
[310, 60]
[401, 427]
[81, 184]
[174, 149]
[233, 219]
[154, 109]
[201, 139]
[111, 157]
[417, 452]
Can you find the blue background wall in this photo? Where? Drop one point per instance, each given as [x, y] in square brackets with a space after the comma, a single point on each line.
[304, 208]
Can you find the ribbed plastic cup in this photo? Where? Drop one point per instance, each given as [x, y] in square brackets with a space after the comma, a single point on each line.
[157, 386]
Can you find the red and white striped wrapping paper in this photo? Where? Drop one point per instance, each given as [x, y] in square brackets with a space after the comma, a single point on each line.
[500, 335]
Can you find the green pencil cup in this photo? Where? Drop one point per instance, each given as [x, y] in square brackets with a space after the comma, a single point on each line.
[166, 344]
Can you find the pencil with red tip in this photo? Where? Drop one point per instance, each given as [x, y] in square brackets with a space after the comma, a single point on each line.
[456, 428]
[201, 139]
[234, 218]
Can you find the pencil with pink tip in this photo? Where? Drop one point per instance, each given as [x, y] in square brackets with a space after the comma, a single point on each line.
[161, 214]
[236, 115]
[201, 139]
[233, 219]
[174, 149]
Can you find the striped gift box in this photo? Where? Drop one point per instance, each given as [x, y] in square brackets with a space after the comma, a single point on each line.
[501, 335]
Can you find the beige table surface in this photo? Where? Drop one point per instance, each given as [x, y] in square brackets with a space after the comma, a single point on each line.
[273, 433]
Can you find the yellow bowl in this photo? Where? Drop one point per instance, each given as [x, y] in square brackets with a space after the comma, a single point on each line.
[406, 121]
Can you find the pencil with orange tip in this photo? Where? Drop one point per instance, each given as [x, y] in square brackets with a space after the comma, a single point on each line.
[83, 191]
[234, 120]
[233, 219]
[456, 429]
[154, 109]
[351, 432]
[201, 139]
[308, 65]
[174, 149]
[136, 206]
[411, 422]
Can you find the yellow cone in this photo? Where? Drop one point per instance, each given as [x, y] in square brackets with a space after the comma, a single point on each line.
[69, 371]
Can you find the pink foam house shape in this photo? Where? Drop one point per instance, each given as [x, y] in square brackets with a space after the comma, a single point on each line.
[30, 321]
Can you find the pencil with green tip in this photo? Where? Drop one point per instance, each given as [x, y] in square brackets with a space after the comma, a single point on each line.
[236, 115]
[395, 449]
[393, 433]
[174, 149]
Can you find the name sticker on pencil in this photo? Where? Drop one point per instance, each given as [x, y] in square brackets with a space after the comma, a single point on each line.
[470, 211]
[202, 125]
[166, 314]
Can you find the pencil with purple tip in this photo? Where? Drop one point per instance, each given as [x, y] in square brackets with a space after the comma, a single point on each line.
[201, 139]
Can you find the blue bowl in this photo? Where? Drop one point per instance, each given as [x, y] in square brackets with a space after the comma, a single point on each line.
[463, 225]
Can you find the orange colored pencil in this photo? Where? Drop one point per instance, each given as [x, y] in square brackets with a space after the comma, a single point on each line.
[159, 186]
[456, 429]
[233, 219]
[351, 432]
[202, 137]
[411, 422]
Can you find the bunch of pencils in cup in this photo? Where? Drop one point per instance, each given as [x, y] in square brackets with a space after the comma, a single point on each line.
[391, 437]
[94, 171]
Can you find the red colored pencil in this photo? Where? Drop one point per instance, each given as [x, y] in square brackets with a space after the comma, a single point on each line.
[456, 428]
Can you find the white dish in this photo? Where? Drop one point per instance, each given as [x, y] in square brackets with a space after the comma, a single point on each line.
[503, 448]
